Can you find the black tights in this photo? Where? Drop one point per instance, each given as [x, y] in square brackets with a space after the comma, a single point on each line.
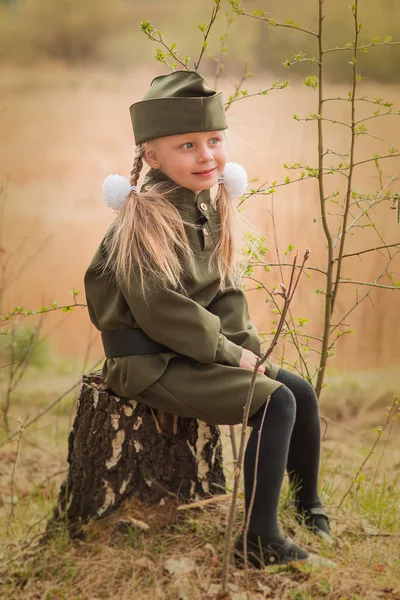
[290, 439]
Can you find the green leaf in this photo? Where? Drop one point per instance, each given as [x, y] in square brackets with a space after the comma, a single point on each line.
[311, 81]
[160, 55]
[146, 27]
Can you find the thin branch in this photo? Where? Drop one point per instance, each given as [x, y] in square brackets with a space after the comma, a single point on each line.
[269, 264]
[338, 49]
[47, 409]
[214, 13]
[397, 245]
[20, 433]
[274, 23]
[367, 160]
[376, 117]
[380, 139]
[237, 98]
[288, 297]
[367, 294]
[325, 225]
[351, 157]
[394, 410]
[371, 284]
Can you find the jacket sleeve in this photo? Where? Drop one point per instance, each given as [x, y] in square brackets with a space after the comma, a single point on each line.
[183, 325]
[232, 308]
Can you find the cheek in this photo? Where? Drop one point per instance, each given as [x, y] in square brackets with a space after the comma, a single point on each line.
[184, 163]
[222, 157]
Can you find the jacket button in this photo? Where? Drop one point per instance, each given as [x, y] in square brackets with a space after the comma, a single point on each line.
[205, 231]
[203, 206]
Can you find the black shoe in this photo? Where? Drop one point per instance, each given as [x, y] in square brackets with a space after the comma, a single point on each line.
[272, 554]
[316, 520]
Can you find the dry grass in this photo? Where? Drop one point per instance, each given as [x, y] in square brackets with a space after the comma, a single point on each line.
[112, 561]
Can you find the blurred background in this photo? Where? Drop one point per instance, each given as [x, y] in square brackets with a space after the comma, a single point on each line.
[69, 71]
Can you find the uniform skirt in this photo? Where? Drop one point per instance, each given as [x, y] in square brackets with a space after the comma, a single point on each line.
[213, 393]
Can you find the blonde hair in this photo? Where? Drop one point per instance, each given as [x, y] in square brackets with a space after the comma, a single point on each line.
[147, 243]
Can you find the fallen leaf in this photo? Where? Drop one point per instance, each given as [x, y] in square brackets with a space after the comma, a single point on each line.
[214, 588]
[139, 524]
[144, 562]
[179, 566]
[239, 596]
[264, 588]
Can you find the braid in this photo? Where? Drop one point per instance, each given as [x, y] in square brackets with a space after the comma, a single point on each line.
[137, 164]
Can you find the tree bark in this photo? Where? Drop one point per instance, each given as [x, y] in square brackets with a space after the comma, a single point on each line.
[119, 448]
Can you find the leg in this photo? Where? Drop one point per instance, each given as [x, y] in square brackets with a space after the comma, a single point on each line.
[304, 449]
[273, 455]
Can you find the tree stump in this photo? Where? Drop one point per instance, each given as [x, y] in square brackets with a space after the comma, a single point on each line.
[119, 448]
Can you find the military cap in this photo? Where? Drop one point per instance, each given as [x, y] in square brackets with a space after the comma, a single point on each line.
[180, 102]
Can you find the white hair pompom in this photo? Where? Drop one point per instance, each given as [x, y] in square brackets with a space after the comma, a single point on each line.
[116, 188]
[235, 180]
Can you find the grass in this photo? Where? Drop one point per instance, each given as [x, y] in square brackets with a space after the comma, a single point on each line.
[113, 561]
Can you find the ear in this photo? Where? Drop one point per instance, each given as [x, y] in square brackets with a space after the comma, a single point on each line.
[150, 155]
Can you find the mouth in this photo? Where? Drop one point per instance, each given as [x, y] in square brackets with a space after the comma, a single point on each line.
[205, 172]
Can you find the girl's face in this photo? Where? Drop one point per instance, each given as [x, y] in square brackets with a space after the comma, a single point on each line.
[192, 160]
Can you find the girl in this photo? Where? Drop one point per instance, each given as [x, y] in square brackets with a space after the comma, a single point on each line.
[164, 290]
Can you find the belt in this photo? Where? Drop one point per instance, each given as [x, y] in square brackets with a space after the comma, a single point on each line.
[122, 342]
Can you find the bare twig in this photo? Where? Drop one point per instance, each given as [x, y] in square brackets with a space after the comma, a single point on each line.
[47, 409]
[397, 245]
[12, 486]
[207, 29]
[393, 411]
[287, 295]
[206, 502]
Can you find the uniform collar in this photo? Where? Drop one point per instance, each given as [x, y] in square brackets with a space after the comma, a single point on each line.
[179, 194]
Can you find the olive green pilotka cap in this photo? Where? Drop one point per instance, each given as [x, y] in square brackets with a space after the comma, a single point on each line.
[180, 102]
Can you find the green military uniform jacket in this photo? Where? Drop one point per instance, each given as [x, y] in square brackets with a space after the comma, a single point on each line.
[204, 330]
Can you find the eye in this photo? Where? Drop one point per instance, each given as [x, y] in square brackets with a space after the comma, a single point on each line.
[187, 145]
[214, 141]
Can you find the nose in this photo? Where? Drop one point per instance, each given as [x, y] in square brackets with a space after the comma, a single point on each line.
[205, 155]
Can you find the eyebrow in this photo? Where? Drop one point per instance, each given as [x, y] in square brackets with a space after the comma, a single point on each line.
[189, 139]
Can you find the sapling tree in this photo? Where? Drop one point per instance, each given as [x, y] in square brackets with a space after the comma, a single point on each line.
[354, 207]
[341, 214]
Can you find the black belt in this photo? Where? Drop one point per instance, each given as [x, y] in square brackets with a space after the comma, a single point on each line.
[122, 342]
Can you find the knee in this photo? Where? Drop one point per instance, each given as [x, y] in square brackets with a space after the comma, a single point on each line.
[307, 396]
[281, 407]
[303, 390]
[284, 401]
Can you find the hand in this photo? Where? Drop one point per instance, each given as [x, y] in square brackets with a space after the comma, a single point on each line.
[248, 361]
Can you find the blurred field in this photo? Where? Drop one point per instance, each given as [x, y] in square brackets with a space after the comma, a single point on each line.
[100, 32]
[64, 130]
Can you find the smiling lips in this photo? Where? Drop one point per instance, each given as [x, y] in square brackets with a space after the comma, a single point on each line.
[205, 172]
